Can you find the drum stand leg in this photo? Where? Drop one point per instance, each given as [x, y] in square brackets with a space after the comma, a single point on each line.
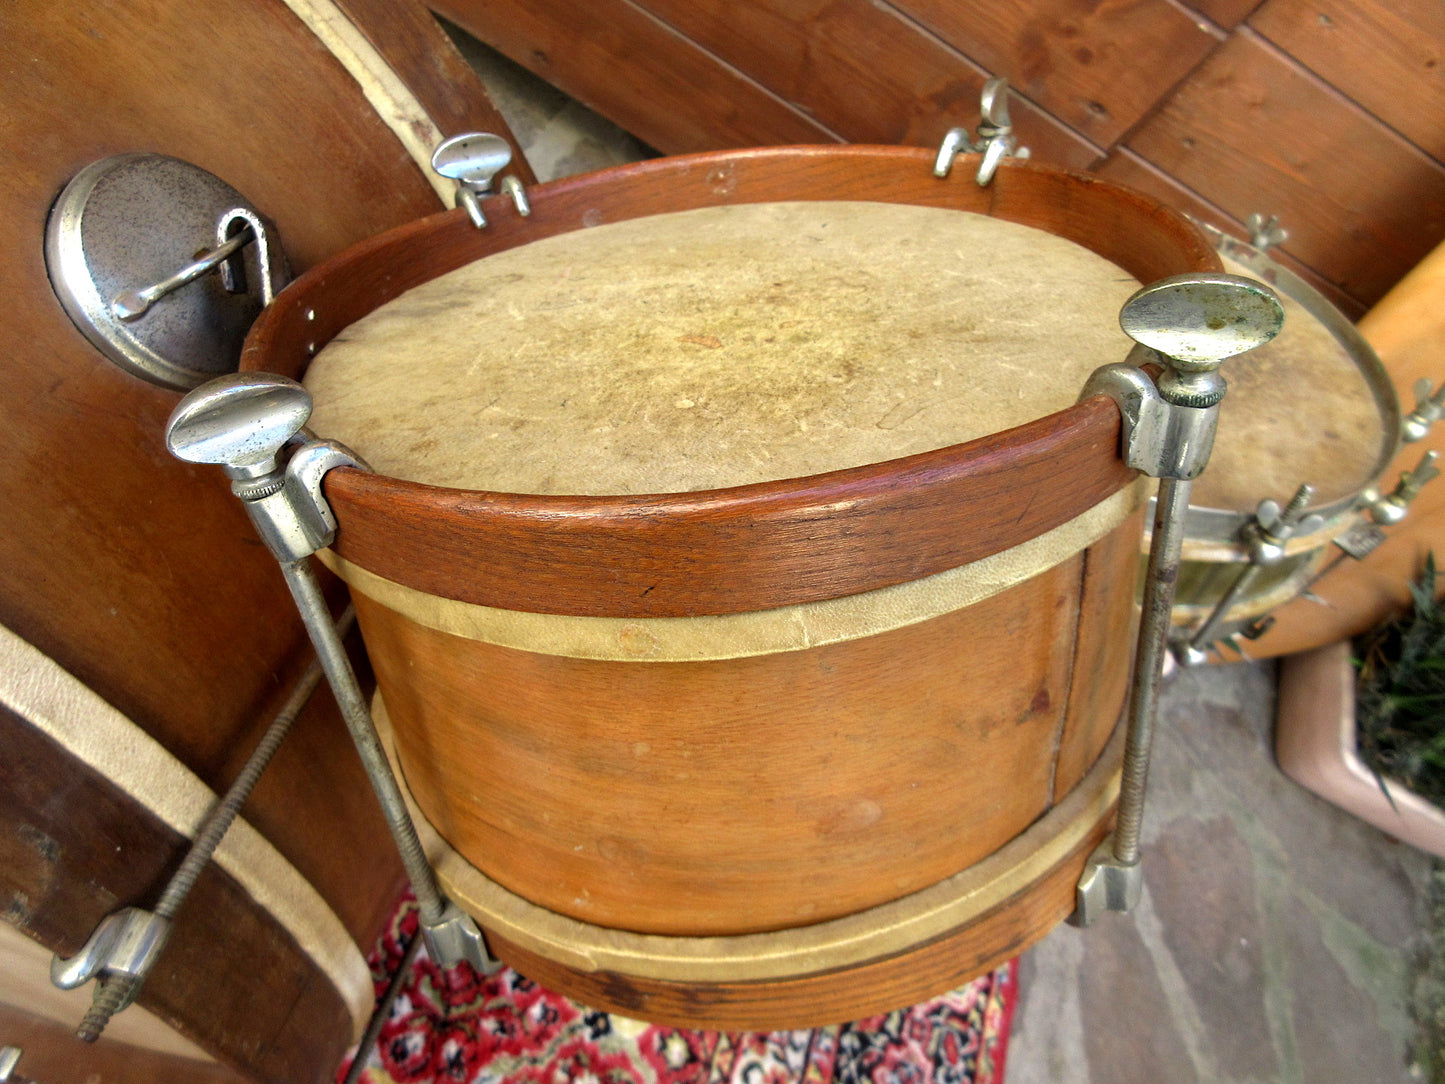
[244, 421]
[1189, 325]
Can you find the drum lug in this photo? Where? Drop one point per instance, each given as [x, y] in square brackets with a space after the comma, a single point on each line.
[119, 955]
[1107, 885]
[1191, 324]
[995, 142]
[1428, 408]
[454, 937]
[1264, 537]
[125, 943]
[244, 422]
[1265, 231]
[473, 160]
[1391, 509]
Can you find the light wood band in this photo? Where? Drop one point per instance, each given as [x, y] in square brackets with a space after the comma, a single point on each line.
[758, 632]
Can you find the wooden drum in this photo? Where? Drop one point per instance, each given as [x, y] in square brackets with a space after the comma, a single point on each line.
[750, 609]
[1314, 406]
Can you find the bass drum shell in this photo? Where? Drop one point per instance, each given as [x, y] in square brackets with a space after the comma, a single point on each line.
[781, 793]
[137, 578]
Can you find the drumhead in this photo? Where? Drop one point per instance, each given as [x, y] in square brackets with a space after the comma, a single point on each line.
[1299, 409]
[720, 347]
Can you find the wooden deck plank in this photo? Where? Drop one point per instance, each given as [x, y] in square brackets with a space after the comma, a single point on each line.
[861, 69]
[1251, 129]
[1099, 68]
[639, 73]
[1387, 56]
[1125, 167]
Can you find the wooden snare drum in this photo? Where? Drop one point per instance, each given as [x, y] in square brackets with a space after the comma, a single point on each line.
[1314, 406]
[751, 621]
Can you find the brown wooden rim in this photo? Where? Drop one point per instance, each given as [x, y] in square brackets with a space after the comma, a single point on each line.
[748, 547]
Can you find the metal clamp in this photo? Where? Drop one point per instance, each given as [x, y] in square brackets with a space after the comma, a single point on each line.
[120, 953]
[1265, 232]
[995, 142]
[1189, 324]
[116, 236]
[244, 422]
[1391, 509]
[473, 160]
[1428, 408]
[9, 1058]
[1263, 537]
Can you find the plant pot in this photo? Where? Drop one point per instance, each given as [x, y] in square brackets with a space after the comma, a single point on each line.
[1315, 745]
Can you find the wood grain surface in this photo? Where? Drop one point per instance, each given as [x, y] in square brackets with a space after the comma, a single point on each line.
[425, 59]
[771, 544]
[1079, 60]
[49, 1055]
[74, 847]
[829, 780]
[822, 999]
[675, 97]
[136, 573]
[864, 70]
[1260, 133]
[1403, 84]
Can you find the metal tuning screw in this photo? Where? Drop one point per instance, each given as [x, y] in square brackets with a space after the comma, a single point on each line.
[1391, 509]
[473, 160]
[1189, 324]
[1265, 232]
[1263, 538]
[995, 141]
[245, 422]
[1428, 408]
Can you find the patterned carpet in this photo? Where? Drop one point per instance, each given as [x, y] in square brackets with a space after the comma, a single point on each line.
[454, 1027]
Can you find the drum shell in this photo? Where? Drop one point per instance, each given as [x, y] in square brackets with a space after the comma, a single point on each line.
[740, 795]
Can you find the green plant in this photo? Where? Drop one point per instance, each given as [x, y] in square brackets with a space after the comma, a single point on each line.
[1400, 697]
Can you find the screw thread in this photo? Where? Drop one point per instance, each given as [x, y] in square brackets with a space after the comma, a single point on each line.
[112, 993]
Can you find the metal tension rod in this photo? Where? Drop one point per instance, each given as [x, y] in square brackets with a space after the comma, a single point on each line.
[125, 946]
[245, 422]
[1188, 324]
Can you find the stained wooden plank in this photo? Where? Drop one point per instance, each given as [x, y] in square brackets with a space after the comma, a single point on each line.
[1100, 68]
[1387, 56]
[1225, 13]
[861, 69]
[1252, 128]
[428, 63]
[1125, 167]
[639, 73]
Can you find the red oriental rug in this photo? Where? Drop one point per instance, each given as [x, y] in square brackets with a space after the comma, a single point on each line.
[451, 1026]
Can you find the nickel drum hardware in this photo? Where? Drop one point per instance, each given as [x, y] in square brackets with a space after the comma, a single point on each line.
[1293, 492]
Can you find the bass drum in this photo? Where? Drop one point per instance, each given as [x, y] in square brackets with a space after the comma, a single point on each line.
[749, 604]
[148, 638]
